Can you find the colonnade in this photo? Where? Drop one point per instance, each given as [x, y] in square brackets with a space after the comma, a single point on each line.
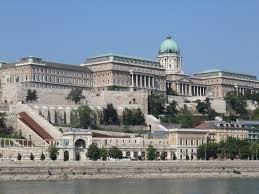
[242, 90]
[142, 81]
[188, 89]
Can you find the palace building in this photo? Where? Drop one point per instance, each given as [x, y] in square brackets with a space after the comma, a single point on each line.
[123, 73]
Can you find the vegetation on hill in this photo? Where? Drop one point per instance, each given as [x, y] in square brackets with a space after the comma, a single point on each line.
[83, 117]
[75, 95]
[133, 117]
[31, 96]
[205, 109]
[110, 115]
[171, 92]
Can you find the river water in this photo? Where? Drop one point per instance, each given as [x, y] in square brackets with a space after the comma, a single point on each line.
[134, 186]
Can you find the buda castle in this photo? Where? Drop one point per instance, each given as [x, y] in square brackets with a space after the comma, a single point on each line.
[121, 73]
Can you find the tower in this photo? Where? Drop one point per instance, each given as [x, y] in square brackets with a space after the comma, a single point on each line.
[169, 56]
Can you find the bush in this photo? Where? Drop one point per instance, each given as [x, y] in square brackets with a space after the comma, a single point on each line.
[42, 157]
[19, 156]
[53, 152]
[32, 157]
[151, 152]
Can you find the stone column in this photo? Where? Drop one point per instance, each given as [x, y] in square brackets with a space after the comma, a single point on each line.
[140, 77]
[132, 80]
[177, 88]
[149, 81]
[145, 81]
[153, 82]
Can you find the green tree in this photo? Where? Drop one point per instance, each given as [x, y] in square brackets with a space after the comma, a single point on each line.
[172, 108]
[254, 149]
[255, 114]
[236, 104]
[115, 152]
[86, 116]
[103, 154]
[42, 157]
[31, 96]
[75, 95]
[93, 152]
[110, 115]
[151, 152]
[209, 150]
[75, 120]
[156, 104]
[171, 92]
[202, 107]
[2, 119]
[205, 109]
[133, 117]
[53, 152]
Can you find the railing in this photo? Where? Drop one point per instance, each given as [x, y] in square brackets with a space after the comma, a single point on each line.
[34, 126]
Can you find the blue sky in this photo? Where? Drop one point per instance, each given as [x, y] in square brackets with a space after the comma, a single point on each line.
[211, 34]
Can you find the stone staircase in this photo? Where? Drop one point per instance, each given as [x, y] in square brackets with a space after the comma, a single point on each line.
[49, 128]
[154, 123]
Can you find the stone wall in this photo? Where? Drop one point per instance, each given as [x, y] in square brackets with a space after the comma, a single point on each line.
[120, 99]
[49, 170]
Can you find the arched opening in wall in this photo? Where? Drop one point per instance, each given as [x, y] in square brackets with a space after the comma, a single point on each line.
[165, 155]
[66, 156]
[80, 144]
[65, 117]
[135, 155]
[77, 156]
[49, 116]
[192, 157]
[56, 117]
[127, 154]
[173, 156]
[143, 155]
[158, 155]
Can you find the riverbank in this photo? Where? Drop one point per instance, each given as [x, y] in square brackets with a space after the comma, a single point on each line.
[49, 170]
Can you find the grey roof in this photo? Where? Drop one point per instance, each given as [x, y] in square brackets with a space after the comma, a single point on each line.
[66, 66]
[123, 59]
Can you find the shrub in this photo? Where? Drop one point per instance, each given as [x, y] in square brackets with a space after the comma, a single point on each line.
[19, 156]
[32, 157]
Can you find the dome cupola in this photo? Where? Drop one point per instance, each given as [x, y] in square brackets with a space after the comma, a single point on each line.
[169, 46]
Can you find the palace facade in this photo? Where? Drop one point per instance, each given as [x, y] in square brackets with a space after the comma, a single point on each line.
[116, 72]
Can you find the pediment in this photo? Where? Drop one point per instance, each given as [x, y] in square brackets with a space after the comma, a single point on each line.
[185, 80]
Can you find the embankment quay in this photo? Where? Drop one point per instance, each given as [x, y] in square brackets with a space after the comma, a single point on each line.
[49, 170]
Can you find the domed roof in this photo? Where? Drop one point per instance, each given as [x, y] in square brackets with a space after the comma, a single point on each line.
[169, 46]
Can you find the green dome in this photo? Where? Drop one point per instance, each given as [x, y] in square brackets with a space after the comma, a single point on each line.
[169, 46]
